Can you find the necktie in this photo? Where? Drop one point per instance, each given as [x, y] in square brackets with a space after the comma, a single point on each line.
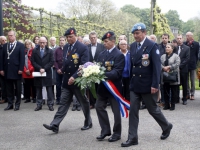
[138, 47]
[179, 49]
[107, 53]
[11, 46]
[42, 52]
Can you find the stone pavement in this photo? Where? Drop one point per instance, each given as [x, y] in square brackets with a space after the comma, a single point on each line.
[23, 130]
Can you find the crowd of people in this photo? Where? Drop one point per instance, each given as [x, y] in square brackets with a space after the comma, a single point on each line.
[139, 72]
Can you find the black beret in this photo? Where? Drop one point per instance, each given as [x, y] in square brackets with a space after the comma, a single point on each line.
[70, 31]
[107, 35]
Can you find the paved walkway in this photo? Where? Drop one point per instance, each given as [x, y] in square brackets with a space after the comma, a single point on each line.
[23, 130]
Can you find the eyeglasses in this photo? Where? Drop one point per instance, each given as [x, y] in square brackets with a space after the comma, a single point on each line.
[123, 44]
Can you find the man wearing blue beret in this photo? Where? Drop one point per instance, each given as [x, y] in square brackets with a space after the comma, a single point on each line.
[146, 68]
[74, 54]
[113, 60]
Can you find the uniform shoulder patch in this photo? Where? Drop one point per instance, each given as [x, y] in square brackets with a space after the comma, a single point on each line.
[157, 52]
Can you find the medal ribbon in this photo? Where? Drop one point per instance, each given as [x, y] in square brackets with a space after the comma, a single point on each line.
[124, 104]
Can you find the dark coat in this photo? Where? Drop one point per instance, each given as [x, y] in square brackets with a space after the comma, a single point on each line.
[115, 74]
[143, 78]
[161, 48]
[1, 57]
[15, 63]
[43, 63]
[71, 65]
[185, 58]
[99, 49]
[194, 50]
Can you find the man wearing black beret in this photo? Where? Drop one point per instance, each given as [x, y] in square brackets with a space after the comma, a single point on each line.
[113, 60]
[74, 54]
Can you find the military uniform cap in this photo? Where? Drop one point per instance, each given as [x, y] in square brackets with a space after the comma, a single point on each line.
[108, 35]
[138, 26]
[70, 31]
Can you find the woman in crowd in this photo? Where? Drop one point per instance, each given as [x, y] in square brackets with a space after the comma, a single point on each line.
[29, 89]
[170, 63]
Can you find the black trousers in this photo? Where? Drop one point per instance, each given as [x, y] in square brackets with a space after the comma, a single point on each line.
[174, 94]
[29, 88]
[153, 109]
[102, 114]
[39, 100]
[65, 101]
[184, 83]
[3, 87]
[91, 97]
[13, 85]
[126, 91]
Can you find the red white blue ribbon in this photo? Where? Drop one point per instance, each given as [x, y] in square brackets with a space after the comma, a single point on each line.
[123, 103]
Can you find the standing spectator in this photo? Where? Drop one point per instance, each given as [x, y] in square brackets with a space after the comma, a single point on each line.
[58, 64]
[126, 71]
[122, 37]
[70, 69]
[42, 60]
[184, 54]
[174, 42]
[53, 46]
[94, 50]
[3, 40]
[146, 69]
[36, 40]
[194, 50]
[153, 38]
[115, 60]
[170, 63]
[29, 89]
[80, 39]
[13, 64]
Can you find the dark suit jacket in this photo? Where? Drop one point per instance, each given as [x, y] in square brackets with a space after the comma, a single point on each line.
[46, 62]
[194, 50]
[115, 74]
[185, 58]
[99, 49]
[71, 65]
[161, 49]
[15, 63]
[145, 77]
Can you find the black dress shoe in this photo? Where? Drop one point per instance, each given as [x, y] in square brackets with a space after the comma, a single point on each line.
[78, 108]
[43, 103]
[114, 138]
[184, 102]
[74, 108]
[38, 108]
[166, 107]
[129, 143]
[9, 107]
[16, 109]
[27, 101]
[57, 103]
[101, 137]
[34, 100]
[166, 133]
[51, 108]
[143, 107]
[86, 127]
[53, 128]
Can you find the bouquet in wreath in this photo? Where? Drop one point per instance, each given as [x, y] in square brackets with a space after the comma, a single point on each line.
[89, 74]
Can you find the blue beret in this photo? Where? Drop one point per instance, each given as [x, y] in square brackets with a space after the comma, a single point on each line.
[107, 35]
[70, 31]
[138, 26]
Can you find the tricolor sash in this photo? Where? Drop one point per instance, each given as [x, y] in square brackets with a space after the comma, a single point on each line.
[123, 103]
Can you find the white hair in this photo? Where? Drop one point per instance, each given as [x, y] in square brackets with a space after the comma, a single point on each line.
[86, 39]
[52, 38]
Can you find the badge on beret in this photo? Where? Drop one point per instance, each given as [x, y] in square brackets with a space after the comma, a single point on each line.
[72, 31]
[157, 52]
[108, 35]
[139, 27]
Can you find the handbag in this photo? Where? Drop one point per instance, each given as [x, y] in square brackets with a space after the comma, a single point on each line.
[170, 77]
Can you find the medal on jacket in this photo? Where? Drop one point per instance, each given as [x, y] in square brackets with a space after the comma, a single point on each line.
[75, 57]
[14, 45]
[109, 65]
[145, 60]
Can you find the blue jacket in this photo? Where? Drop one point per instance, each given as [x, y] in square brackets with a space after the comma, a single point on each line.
[145, 77]
[114, 73]
[15, 63]
[78, 56]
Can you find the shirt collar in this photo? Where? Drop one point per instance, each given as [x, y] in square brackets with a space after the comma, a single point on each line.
[124, 53]
[141, 43]
[14, 42]
[94, 45]
[110, 50]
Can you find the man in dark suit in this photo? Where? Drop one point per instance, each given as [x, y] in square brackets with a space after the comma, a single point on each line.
[75, 54]
[113, 60]
[146, 66]
[194, 50]
[184, 54]
[3, 40]
[42, 60]
[13, 65]
[94, 51]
